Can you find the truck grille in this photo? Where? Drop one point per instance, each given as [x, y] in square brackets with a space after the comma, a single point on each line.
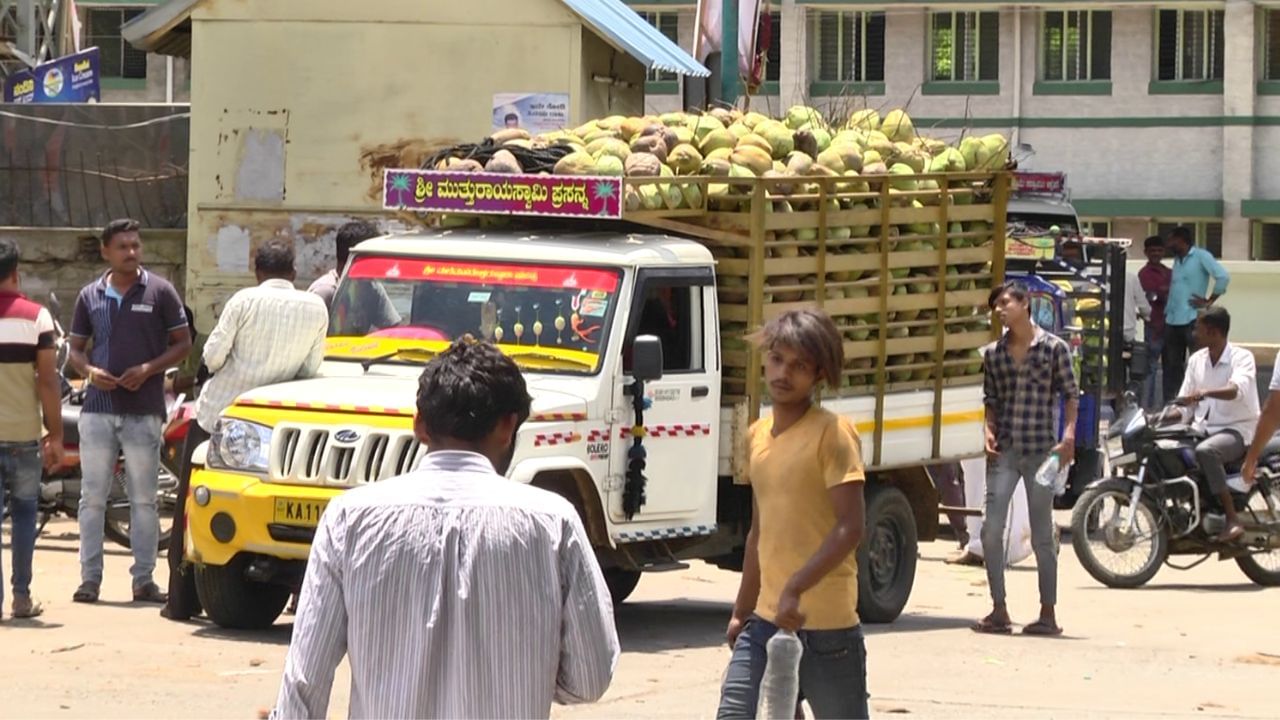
[317, 455]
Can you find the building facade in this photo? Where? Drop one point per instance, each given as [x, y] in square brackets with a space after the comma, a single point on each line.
[128, 75]
[1160, 114]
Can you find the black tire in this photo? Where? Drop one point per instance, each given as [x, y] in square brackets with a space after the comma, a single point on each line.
[235, 602]
[117, 523]
[1249, 565]
[1080, 535]
[887, 556]
[621, 583]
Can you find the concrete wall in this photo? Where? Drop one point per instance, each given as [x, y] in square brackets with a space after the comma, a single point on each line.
[64, 260]
[276, 146]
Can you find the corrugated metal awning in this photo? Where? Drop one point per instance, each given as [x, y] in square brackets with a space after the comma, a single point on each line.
[164, 29]
[624, 28]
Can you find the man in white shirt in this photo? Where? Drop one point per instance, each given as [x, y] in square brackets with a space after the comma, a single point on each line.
[1136, 306]
[266, 334]
[1268, 424]
[454, 591]
[1220, 388]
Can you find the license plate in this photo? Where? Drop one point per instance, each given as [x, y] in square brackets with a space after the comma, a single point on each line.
[304, 513]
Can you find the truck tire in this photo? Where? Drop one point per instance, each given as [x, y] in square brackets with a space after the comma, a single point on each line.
[235, 602]
[621, 583]
[887, 555]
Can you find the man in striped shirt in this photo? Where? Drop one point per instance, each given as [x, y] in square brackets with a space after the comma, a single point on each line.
[28, 384]
[454, 591]
[268, 333]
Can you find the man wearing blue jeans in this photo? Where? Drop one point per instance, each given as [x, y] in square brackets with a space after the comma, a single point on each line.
[1026, 373]
[138, 329]
[29, 384]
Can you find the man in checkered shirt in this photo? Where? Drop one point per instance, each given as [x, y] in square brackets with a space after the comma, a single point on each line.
[1026, 373]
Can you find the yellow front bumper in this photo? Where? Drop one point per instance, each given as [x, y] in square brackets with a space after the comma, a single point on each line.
[250, 504]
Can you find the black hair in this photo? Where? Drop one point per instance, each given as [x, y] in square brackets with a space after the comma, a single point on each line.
[119, 227]
[465, 390]
[274, 258]
[1153, 241]
[813, 333]
[1217, 317]
[350, 235]
[510, 116]
[8, 258]
[1183, 233]
[1016, 289]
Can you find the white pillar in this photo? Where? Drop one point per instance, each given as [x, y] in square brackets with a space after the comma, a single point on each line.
[1238, 93]
[793, 73]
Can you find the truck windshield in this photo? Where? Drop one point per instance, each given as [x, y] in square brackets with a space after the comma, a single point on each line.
[546, 317]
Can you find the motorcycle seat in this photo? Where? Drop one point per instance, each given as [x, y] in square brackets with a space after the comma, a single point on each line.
[1271, 449]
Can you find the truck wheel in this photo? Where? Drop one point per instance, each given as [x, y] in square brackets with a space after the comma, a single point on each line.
[233, 601]
[887, 555]
[621, 583]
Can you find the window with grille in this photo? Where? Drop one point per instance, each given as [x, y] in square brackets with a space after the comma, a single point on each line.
[1189, 44]
[1096, 228]
[964, 46]
[773, 55]
[1075, 45]
[1271, 45]
[118, 58]
[668, 23]
[1208, 235]
[1266, 240]
[849, 46]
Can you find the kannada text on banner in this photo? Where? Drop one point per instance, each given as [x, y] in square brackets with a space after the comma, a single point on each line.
[554, 195]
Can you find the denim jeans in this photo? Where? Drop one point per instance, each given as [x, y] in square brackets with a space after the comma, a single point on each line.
[1003, 476]
[833, 672]
[102, 438]
[20, 470]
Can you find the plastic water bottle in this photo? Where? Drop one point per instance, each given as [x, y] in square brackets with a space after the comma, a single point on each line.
[1053, 474]
[781, 685]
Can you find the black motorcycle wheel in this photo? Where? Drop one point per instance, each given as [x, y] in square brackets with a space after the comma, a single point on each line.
[117, 524]
[1112, 557]
[1262, 568]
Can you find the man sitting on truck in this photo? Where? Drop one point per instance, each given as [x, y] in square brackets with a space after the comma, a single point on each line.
[1221, 388]
[800, 572]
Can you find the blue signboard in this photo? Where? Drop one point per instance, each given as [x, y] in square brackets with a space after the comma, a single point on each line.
[69, 79]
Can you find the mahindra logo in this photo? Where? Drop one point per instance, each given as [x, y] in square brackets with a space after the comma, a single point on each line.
[346, 436]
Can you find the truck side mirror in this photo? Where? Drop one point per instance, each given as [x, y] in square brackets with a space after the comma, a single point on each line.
[646, 358]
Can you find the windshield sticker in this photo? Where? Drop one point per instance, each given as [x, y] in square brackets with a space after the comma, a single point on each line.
[593, 308]
[539, 276]
[478, 297]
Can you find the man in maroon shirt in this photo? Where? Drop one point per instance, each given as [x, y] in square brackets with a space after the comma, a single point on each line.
[1155, 278]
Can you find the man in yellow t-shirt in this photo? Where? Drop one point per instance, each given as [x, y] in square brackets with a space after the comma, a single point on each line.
[801, 572]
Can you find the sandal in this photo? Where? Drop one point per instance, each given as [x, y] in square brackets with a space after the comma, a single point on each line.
[23, 607]
[1042, 629]
[149, 593]
[987, 626]
[86, 593]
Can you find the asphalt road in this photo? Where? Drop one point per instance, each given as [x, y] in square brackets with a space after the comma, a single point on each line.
[1201, 643]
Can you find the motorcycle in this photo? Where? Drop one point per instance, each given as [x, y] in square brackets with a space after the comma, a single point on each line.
[60, 486]
[1157, 504]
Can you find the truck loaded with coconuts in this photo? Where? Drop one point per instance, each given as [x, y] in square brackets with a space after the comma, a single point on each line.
[622, 265]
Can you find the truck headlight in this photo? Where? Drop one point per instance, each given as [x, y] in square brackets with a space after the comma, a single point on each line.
[239, 445]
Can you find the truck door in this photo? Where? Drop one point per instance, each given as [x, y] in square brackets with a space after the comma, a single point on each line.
[681, 424]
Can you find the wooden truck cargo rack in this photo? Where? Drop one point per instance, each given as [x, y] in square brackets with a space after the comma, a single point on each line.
[940, 248]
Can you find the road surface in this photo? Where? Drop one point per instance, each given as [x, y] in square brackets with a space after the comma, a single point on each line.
[1202, 643]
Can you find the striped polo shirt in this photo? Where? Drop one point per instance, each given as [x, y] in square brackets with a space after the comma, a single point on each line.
[126, 331]
[25, 328]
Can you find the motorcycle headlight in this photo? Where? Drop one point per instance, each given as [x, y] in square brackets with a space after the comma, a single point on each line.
[239, 445]
[1115, 447]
